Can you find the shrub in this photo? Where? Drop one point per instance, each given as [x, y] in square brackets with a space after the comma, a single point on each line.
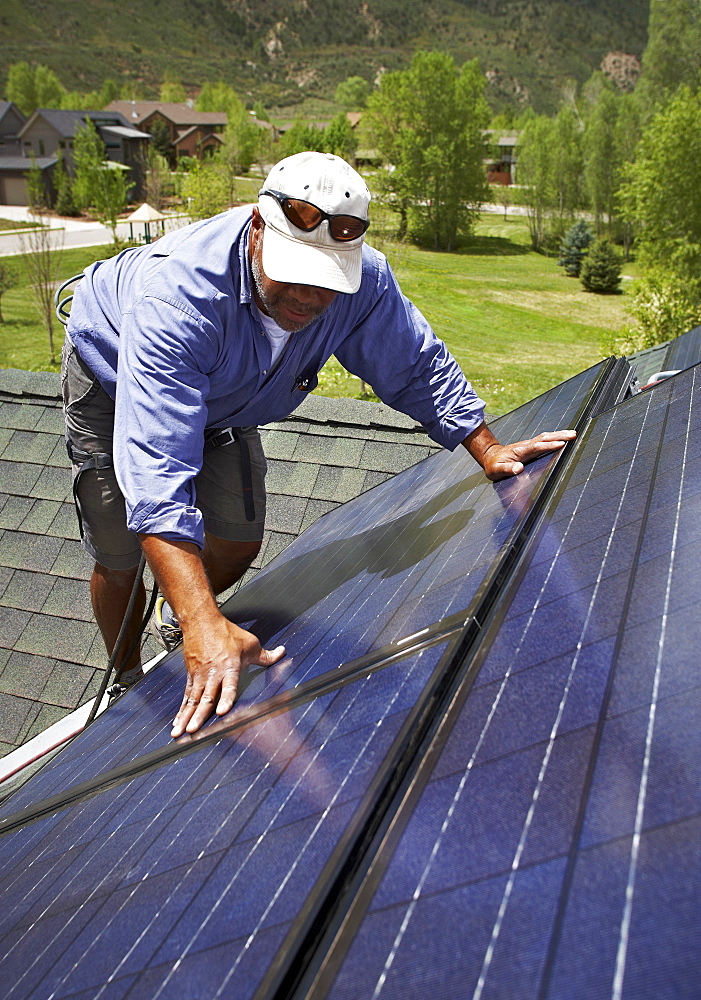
[601, 269]
[573, 248]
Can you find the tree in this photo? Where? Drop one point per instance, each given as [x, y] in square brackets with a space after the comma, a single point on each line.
[567, 166]
[339, 138]
[9, 279]
[352, 94]
[36, 192]
[157, 179]
[98, 183]
[206, 190]
[42, 256]
[601, 268]
[573, 248]
[600, 165]
[160, 138]
[672, 57]
[536, 176]
[427, 122]
[88, 154]
[32, 87]
[63, 186]
[301, 137]
[661, 195]
[172, 90]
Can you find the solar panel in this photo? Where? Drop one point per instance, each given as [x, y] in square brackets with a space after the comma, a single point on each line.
[403, 556]
[134, 865]
[192, 871]
[685, 351]
[553, 848]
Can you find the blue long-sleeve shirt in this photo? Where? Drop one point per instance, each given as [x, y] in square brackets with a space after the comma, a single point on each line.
[171, 332]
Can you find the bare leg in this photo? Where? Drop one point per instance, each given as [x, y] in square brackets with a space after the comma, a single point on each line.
[110, 590]
[225, 562]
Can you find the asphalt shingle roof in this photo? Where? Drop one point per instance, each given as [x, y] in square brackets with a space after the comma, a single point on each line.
[51, 654]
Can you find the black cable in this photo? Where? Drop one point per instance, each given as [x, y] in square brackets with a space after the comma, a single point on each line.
[120, 640]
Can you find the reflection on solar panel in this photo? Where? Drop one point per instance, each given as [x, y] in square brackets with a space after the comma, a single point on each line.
[554, 850]
[438, 790]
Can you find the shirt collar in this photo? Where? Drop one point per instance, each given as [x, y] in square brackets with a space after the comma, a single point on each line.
[246, 291]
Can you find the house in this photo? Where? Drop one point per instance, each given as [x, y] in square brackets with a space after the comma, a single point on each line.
[47, 131]
[501, 164]
[190, 132]
[11, 121]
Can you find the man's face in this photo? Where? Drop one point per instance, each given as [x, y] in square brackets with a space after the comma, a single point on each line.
[291, 306]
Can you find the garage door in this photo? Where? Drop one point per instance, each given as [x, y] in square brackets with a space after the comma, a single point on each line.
[14, 191]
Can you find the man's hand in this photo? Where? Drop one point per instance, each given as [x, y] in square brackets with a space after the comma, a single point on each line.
[215, 650]
[500, 461]
[214, 658]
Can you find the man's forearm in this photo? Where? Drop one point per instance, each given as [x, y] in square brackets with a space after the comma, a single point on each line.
[178, 568]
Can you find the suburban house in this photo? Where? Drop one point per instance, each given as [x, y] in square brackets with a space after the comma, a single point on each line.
[13, 164]
[47, 131]
[191, 133]
[501, 164]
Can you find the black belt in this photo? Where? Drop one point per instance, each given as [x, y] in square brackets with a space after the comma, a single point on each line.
[221, 438]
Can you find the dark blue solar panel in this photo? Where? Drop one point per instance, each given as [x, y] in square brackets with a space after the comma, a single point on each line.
[555, 849]
[405, 555]
[184, 880]
[685, 351]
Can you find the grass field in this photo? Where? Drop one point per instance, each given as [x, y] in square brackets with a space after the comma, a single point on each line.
[516, 324]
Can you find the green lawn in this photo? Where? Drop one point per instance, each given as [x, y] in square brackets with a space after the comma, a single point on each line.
[516, 324]
[512, 319]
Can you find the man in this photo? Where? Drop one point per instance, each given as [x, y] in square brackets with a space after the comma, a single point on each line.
[225, 325]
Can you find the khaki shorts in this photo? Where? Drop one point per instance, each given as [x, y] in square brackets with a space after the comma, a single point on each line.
[89, 414]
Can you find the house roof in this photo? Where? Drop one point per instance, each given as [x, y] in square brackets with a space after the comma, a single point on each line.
[125, 131]
[7, 106]
[24, 163]
[66, 123]
[51, 655]
[179, 114]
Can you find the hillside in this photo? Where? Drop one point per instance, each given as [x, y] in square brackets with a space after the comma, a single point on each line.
[281, 51]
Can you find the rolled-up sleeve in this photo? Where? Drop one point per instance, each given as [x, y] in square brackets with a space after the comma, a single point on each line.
[166, 350]
[409, 368]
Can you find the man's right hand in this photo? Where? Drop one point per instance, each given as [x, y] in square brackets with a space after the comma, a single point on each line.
[215, 650]
[215, 653]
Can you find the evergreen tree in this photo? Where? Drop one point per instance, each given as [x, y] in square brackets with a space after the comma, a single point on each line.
[63, 187]
[601, 269]
[573, 248]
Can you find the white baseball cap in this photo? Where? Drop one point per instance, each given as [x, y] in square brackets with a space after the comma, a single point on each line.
[314, 257]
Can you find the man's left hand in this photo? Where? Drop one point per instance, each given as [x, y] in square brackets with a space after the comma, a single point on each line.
[500, 461]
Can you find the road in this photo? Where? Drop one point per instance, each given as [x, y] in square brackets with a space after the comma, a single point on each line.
[75, 232]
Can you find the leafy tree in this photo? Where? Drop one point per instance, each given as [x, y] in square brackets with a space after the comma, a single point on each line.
[301, 137]
[98, 183]
[427, 122]
[573, 248]
[600, 165]
[172, 91]
[339, 138]
[626, 137]
[32, 87]
[206, 190]
[567, 165]
[535, 174]
[601, 268]
[157, 179]
[9, 279]
[662, 192]
[220, 96]
[88, 154]
[21, 88]
[352, 94]
[36, 192]
[672, 57]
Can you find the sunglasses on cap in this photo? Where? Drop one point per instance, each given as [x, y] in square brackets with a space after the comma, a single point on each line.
[307, 217]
